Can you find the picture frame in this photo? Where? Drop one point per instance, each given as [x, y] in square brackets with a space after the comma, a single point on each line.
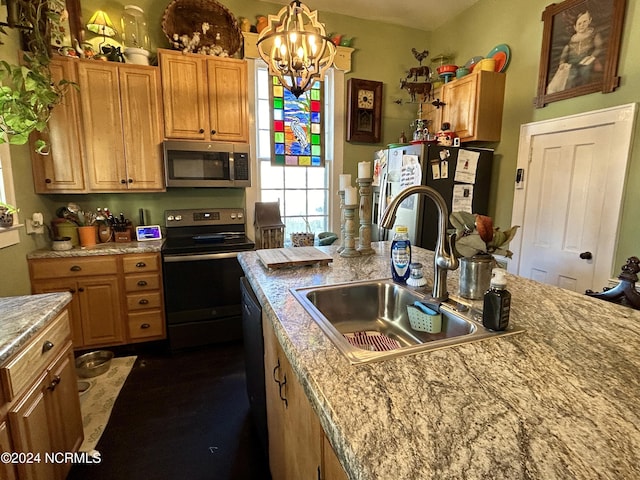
[580, 49]
[364, 110]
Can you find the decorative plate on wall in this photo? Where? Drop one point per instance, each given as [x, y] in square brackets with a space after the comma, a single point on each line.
[364, 110]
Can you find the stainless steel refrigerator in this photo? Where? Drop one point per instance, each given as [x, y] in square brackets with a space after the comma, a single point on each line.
[462, 175]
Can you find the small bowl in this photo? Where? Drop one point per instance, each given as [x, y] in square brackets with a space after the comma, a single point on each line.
[444, 69]
[488, 64]
[93, 364]
[461, 72]
[61, 244]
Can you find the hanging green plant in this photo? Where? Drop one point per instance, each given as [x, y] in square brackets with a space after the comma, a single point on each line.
[27, 91]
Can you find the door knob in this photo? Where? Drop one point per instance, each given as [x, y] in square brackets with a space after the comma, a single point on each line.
[586, 256]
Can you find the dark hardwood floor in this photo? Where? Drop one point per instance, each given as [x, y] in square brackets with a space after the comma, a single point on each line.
[181, 415]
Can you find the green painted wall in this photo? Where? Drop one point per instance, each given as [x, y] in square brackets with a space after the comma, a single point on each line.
[383, 53]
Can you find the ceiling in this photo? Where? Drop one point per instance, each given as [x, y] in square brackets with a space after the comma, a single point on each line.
[421, 14]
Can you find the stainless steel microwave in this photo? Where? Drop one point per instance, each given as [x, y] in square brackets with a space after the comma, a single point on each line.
[206, 164]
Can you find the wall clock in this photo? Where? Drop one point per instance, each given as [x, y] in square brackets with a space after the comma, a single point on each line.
[364, 110]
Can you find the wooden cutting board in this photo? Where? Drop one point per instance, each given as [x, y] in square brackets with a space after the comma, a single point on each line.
[293, 257]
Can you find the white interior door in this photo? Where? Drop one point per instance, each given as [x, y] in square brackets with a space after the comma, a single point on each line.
[569, 206]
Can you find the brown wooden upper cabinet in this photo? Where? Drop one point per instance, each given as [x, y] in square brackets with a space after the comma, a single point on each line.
[106, 135]
[472, 106]
[121, 109]
[205, 98]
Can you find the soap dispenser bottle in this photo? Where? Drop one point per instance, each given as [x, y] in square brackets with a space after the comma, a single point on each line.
[400, 255]
[497, 302]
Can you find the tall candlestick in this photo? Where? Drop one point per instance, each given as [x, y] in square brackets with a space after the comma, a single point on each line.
[349, 232]
[342, 220]
[364, 170]
[366, 204]
[345, 181]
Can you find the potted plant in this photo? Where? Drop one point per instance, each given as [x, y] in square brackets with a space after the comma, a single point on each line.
[6, 214]
[27, 91]
[477, 240]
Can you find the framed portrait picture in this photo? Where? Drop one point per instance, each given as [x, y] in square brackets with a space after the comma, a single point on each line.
[580, 49]
[364, 110]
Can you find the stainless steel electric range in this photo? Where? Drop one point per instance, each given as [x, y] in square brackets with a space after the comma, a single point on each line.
[202, 275]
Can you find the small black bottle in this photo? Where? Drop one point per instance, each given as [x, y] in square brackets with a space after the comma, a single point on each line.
[497, 302]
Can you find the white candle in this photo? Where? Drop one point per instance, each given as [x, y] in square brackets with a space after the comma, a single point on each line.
[364, 170]
[350, 196]
[345, 181]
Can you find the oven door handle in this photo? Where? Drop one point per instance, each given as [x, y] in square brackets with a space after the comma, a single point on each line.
[198, 258]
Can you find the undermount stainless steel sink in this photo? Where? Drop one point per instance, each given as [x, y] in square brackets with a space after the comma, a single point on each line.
[380, 307]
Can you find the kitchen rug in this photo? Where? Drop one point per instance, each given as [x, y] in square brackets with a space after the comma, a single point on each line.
[97, 400]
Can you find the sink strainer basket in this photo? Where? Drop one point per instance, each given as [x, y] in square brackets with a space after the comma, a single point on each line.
[423, 319]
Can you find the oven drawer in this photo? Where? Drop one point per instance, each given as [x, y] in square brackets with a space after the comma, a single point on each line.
[143, 325]
[143, 262]
[144, 301]
[73, 267]
[136, 283]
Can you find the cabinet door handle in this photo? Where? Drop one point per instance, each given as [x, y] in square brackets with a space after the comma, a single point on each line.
[201, 130]
[81, 289]
[143, 301]
[123, 181]
[75, 268]
[280, 387]
[141, 264]
[130, 180]
[47, 180]
[46, 346]
[72, 291]
[54, 383]
[213, 132]
[275, 369]
[145, 325]
[142, 283]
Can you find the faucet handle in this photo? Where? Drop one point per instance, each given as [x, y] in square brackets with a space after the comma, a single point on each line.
[453, 258]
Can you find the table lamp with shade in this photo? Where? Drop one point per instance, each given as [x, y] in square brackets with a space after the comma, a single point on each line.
[101, 24]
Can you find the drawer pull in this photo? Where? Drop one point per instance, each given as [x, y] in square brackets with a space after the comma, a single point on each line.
[145, 325]
[76, 268]
[54, 383]
[142, 283]
[143, 301]
[141, 264]
[47, 346]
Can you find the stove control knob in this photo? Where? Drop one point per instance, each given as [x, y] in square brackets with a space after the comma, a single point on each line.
[178, 218]
[170, 218]
[233, 216]
[240, 215]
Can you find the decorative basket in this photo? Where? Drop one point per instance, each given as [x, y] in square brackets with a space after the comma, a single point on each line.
[302, 239]
[184, 17]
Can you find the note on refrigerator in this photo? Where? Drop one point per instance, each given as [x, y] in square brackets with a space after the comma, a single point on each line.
[462, 198]
[411, 175]
[466, 166]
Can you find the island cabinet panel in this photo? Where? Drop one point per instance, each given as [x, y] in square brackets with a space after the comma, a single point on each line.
[61, 170]
[297, 448]
[205, 98]
[43, 412]
[7, 470]
[121, 110]
[473, 106]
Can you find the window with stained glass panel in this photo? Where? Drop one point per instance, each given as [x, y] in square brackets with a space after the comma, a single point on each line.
[297, 126]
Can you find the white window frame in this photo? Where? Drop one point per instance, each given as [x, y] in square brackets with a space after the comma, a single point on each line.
[8, 236]
[334, 148]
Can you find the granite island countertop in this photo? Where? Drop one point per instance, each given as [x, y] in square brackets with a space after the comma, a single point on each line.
[24, 316]
[559, 401]
[109, 248]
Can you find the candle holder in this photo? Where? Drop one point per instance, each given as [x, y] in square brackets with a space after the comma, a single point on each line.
[341, 195]
[349, 232]
[366, 204]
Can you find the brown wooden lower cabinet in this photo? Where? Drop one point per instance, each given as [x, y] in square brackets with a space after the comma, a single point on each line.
[298, 447]
[117, 299]
[43, 418]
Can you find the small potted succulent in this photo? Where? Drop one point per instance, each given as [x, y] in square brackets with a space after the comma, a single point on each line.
[6, 214]
[477, 240]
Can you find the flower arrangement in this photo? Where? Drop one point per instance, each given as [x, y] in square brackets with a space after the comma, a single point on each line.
[476, 235]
